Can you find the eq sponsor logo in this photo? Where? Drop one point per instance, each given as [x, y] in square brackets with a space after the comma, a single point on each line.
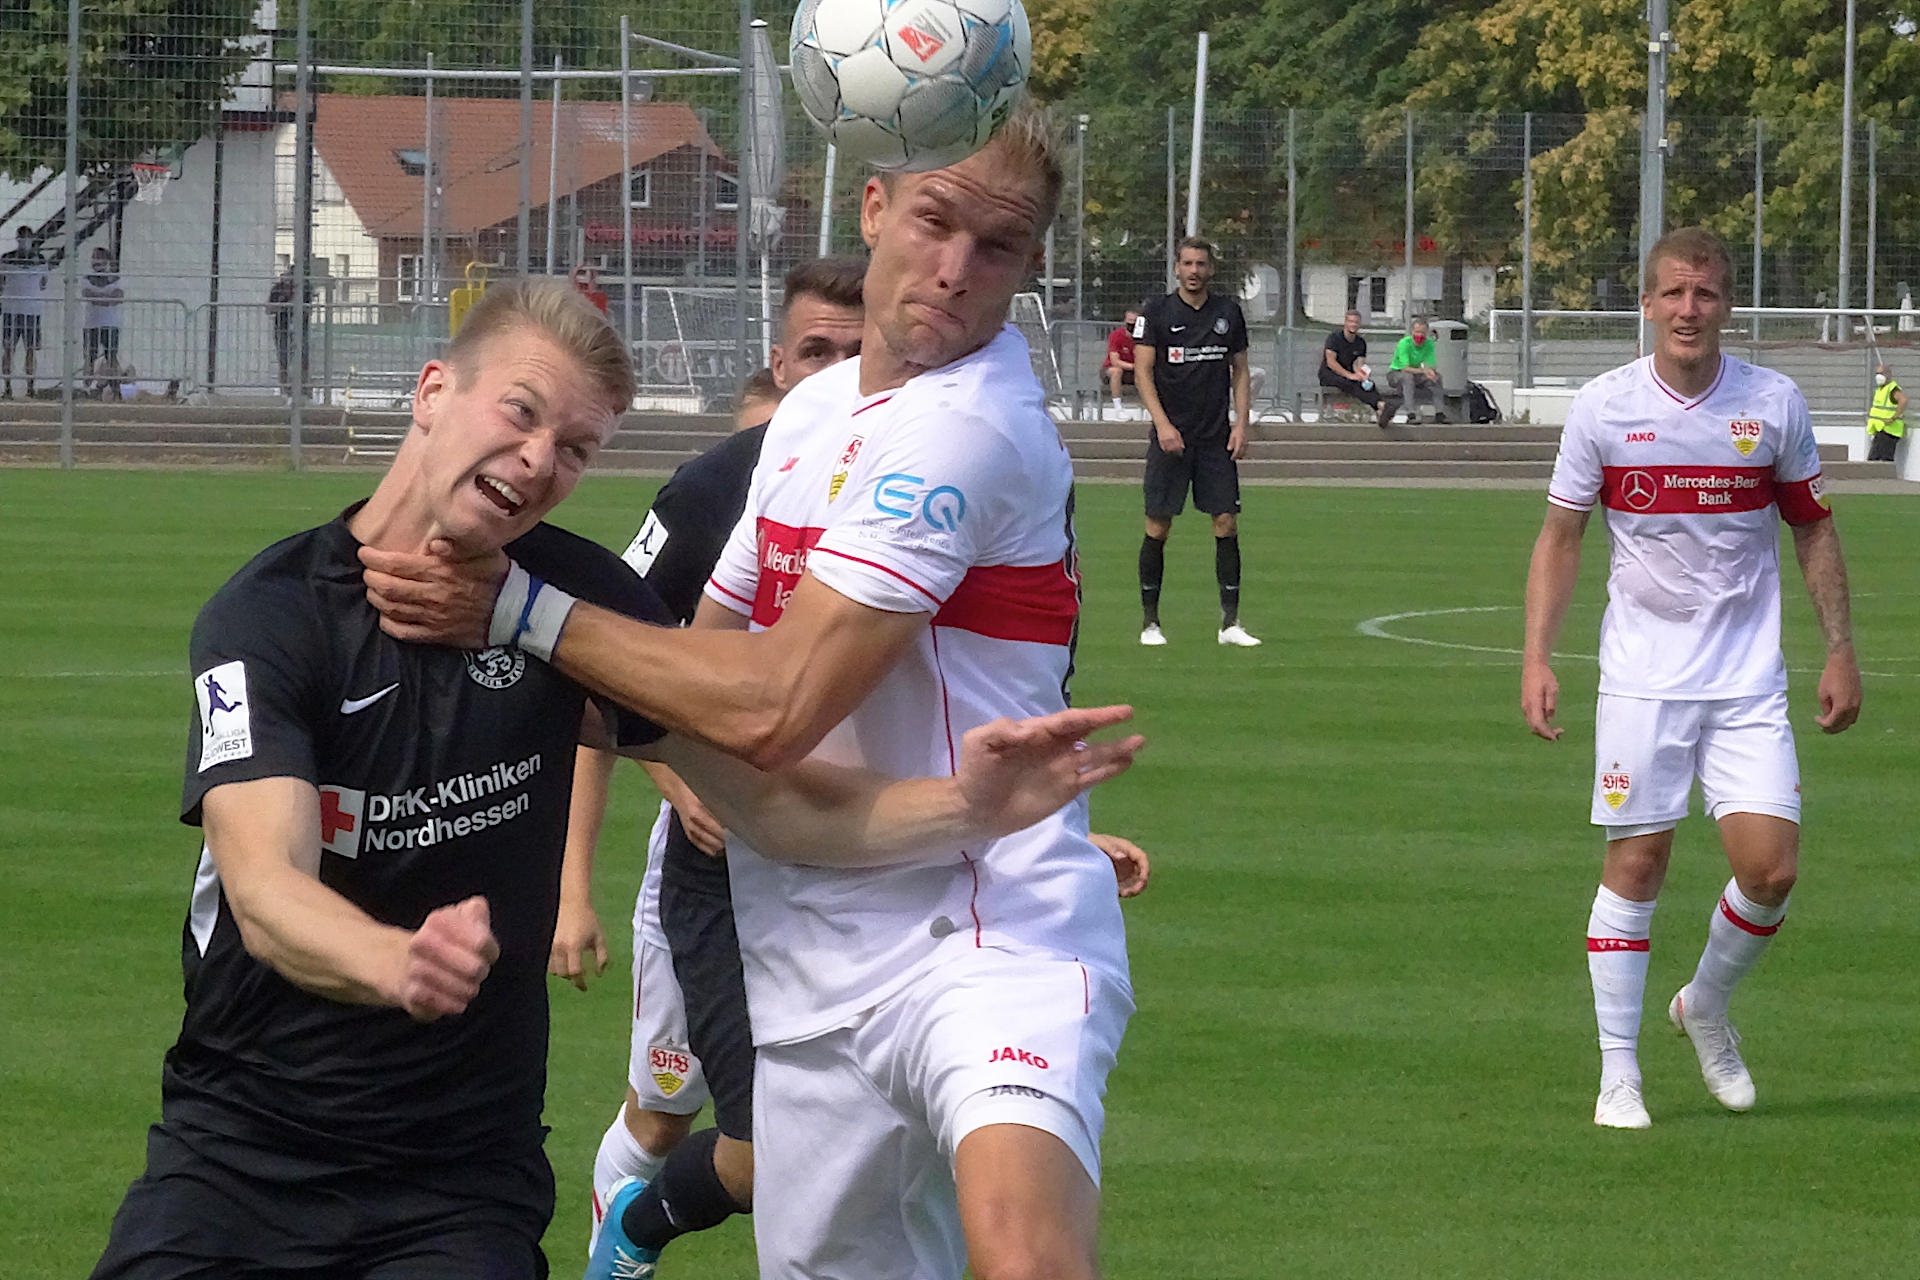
[1024, 1057]
[1745, 433]
[907, 497]
[669, 1066]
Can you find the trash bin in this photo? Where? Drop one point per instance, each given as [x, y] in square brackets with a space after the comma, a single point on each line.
[1450, 355]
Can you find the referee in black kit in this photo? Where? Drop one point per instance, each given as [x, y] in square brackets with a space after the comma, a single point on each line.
[357, 1088]
[1190, 363]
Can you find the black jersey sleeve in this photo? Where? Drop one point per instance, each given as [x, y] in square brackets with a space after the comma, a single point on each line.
[590, 572]
[691, 518]
[1150, 329]
[255, 657]
[1236, 328]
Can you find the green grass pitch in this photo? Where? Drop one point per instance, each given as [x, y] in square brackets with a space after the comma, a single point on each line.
[1364, 1044]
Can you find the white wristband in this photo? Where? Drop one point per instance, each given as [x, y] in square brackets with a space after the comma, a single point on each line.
[529, 614]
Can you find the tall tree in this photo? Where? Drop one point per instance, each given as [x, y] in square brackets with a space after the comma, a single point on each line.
[153, 73]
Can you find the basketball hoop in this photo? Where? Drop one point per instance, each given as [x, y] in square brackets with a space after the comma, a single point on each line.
[151, 181]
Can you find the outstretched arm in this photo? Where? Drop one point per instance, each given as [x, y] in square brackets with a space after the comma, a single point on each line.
[264, 837]
[1011, 775]
[1817, 546]
[1551, 576]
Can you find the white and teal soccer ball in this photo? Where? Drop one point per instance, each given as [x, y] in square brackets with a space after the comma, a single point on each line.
[910, 84]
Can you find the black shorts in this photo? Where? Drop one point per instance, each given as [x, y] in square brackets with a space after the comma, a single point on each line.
[24, 330]
[696, 914]
[1882, 446]
[211, 1206]
[1205, 465]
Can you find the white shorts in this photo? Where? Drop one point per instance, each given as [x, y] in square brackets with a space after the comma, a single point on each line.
[661, 1068]
[1647, 752]
[855, 1130]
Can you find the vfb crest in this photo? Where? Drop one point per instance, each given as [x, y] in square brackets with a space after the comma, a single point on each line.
[669, 1067]
[1745, 433]
[1616, 784]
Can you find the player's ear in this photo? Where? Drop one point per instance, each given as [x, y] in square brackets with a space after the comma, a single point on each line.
[873, 202]
[436, 379]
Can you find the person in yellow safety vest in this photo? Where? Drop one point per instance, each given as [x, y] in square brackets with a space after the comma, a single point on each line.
[1885, 418]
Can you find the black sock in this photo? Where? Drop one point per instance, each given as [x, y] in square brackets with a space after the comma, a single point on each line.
[1226, 569]
[1153, 564]
[687, 1196]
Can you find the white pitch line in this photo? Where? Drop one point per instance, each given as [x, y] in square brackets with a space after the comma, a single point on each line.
[1377, 628]
[85, 675]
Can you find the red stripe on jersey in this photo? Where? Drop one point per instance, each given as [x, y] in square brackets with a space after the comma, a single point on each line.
[874, 564]
[1740, 922]
[1666, 491]
[721, 587]
[1036, 603]
[1681, 400]
[1617, 944]
[875, 405]
[1803, 501]
[783, 558]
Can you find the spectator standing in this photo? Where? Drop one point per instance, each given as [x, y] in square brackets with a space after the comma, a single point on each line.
[1344, 368]
[23, 286]
[104, 296]
[1117, 366]
[1412, 375]
[280, 311]
[1886, 418]
[1191, 359]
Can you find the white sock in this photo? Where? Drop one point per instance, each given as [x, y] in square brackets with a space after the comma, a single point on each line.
[1736, 936]
[1116, 402]
[620, 1156]
[1617, 934]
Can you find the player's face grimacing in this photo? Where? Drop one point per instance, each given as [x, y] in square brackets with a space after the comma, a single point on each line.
[814, 334]
[950, 248]
[1194, 270]
[1688, 306]
[508, 441]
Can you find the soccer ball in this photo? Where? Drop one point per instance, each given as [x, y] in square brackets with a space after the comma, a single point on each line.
[910, 84]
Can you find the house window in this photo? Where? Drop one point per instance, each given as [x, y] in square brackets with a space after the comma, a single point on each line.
[640, 189]
[407, 270]
[1377, 295]
[726, 191]
[413, 161]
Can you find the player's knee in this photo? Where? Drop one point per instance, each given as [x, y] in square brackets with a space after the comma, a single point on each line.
[1771, 885]
[657, 1131]
[1226, 525]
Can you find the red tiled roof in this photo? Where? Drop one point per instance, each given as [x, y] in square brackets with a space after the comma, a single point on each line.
[476, 145]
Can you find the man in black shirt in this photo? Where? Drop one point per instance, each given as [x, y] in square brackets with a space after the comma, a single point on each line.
[710, 1178]
[1190, 362]
[358, 1083]
[1343, 363]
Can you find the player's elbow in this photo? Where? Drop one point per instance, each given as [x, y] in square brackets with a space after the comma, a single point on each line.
[774, 740]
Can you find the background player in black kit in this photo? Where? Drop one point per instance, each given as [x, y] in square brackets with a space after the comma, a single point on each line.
[710, 1178]
[1190, 362]
[358, 1082]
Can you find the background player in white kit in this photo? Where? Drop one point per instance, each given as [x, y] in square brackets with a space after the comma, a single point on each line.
[933, 1039]
[1691, 453]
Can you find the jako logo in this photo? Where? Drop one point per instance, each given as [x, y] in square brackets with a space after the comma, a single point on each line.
[1011, 1054]
[897, 494]
[1639, 437]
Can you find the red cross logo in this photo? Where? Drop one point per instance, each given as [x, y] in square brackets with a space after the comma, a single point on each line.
[341, 809]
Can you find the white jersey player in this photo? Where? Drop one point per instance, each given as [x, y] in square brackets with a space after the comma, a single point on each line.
[948, 1024]
[1695, 457]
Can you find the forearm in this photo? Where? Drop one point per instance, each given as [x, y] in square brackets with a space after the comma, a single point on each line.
[1149, 395]
[1551, 577]
[316, 939]
[1242, 394]
[1817, 546]
[586, 813]
[826, 815]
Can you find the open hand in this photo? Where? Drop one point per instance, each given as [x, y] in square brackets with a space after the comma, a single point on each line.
[1013, 773]
[441, 597]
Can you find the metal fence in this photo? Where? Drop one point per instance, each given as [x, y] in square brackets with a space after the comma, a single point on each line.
[203, 156]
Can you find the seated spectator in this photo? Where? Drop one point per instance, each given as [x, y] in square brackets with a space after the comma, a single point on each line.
[1413, 375]
[1117, 366]
[1343, 365]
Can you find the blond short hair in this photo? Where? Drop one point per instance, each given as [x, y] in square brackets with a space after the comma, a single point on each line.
[1030, 137]
[1697, 247]
[558, 312]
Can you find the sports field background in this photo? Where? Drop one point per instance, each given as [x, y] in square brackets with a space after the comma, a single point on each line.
[1364, 1044]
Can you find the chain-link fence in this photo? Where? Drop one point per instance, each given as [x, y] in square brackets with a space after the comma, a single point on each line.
[190, 186]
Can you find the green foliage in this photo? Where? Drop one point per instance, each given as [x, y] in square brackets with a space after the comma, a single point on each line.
[152, 76]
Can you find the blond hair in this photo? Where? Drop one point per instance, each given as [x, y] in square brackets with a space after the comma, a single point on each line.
[1031, 138]
[1696, 247]
[558, 312]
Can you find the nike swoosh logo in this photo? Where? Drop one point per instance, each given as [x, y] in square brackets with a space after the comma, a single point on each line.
[1175, 328]
[348, 706]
